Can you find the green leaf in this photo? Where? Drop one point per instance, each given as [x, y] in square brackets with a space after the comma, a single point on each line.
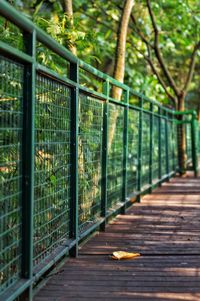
[53, 180]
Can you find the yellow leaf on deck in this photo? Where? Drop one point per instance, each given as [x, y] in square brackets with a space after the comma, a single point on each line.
[124, 255]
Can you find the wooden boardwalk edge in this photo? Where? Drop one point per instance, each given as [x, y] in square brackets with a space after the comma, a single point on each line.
[164, 228]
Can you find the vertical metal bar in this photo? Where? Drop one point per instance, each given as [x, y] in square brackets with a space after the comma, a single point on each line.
[74, 75]
[174, 146]
[28, 161]
[181, 135]
[125, 153]
[194, 133]
[140, 151]
[197, 129]
[104, 185]
[151, 148]
[178, 129]
[186, 140]
[167, 144]
[159, 146]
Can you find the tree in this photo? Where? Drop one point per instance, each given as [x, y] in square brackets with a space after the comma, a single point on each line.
[119, 65]
[68, 10]
[120, 52]
[174, 82]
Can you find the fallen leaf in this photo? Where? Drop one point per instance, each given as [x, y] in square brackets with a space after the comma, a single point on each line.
[124, 255]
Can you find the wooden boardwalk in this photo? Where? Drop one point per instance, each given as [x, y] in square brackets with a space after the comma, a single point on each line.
[164, 228]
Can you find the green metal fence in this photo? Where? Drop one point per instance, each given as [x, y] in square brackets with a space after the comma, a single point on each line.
[188, 142]
[70, 156]
[198, 135]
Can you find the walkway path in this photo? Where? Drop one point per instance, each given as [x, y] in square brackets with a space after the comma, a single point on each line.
[164, 228]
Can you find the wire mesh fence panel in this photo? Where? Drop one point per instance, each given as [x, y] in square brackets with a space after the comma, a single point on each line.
[132, 160]
[188, 141]
[89, 160]
[179, 137]
[198, 139]
[175, 133]
[183, 139]
[163, 148]
[198, 143]
[52, 167]
[170, 146]
[115, 155]
[145, 155]
[155, 149]
[11, 123]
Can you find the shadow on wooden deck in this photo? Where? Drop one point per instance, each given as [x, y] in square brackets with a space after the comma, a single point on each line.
[164, 228]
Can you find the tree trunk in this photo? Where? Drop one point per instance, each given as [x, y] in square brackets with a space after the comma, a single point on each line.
[182, 136]
[68, 9]
[120, 53]
[108, 66]
[119, 67]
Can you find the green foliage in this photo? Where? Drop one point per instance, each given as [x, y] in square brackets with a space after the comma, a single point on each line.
[8, 33]
[179, 27]
[178, 22]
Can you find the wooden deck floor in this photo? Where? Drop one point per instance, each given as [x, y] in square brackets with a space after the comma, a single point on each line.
[164, 228]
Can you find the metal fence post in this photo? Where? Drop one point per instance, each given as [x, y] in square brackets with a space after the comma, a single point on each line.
[151, 148]
[74, 75]
[140, 151]
[167, 145]
[125, 152]
[28, 162]
[174, 146]
[159, 148]
[194, 133]
[106, 90]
